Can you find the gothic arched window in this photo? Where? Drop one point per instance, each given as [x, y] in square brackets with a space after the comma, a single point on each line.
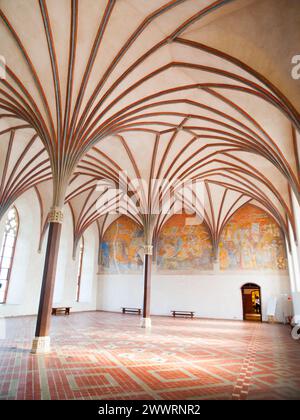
[7, 251]
[79, 271]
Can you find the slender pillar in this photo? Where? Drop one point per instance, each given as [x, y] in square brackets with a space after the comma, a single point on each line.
[41, 342]
[216, 265]
[154, 252]
[146, 320]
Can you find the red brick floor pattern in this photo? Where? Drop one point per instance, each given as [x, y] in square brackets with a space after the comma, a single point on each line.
[98, 355]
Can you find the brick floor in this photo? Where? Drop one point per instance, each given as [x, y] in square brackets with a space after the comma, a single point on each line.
[98, 355]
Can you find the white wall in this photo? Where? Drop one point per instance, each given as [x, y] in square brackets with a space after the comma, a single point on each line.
[116, 291]
[67, 268]
[211, 295]
[26, 276]
[294, 260]
[25, 279]
[89, 284]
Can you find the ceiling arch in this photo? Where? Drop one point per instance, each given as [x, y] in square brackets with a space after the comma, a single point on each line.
[148, 88]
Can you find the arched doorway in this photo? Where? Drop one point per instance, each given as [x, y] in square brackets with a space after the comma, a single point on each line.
[251, 298]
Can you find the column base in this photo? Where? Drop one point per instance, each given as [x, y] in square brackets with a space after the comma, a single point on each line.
[216, 266]
[40, 345]
[271, 319]
[146, 322]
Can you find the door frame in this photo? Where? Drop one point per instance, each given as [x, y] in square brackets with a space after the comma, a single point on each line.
[251, 286]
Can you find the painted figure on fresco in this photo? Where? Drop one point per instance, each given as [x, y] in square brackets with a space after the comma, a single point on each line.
[252, 240]
[105, 254]
[183, 246]
[122, 247]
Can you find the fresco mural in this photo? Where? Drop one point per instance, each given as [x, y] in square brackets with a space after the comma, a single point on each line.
[184, 246]
[252, 240]
[122, 247]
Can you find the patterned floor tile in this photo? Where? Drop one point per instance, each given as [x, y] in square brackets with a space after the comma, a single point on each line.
[98, 355]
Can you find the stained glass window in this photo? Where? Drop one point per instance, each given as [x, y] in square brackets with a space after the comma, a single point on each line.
[7, 251]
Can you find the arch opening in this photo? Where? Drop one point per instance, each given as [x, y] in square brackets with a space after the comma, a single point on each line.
[251, 300]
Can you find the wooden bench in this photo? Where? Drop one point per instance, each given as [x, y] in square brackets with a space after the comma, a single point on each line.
[61, 310]
[132, 311]
[189, 314]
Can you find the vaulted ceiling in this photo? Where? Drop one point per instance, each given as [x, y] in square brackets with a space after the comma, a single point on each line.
[178, 90]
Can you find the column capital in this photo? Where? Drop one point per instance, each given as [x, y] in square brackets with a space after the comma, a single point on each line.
[148, 249]
[55, 215]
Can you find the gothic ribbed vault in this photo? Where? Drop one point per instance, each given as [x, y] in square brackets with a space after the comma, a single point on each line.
[178, 90]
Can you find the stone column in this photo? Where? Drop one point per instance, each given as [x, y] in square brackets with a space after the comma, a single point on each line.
[41, 342]
[146, 320]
